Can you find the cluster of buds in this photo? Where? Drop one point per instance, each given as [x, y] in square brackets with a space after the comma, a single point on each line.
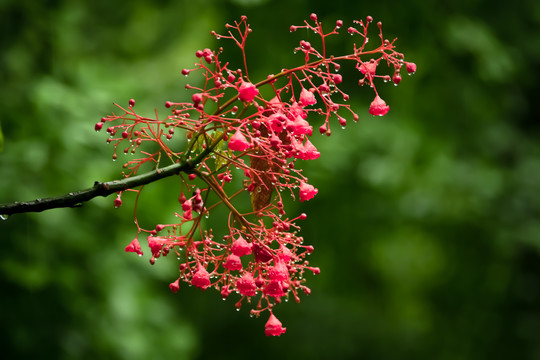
[238, 147]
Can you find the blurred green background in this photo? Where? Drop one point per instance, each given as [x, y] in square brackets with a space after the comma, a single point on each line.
[427, 221]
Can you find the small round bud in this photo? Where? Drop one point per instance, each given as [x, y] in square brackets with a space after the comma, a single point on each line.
[168, 104]
[131, 102]
[313, 17]
[369, 19]
[337, 78]
[197, 98]
[185, 72]
[98, 126]
[292, 28]
[339, 23]
[411, 68]
[117, 202]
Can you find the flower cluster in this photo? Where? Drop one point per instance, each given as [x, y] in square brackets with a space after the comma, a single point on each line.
[233, 146]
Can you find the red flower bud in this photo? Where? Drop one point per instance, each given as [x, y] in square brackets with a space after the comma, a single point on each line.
[175, 286]
[411, 68]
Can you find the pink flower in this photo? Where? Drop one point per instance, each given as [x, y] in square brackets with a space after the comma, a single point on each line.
[241, 247]
[238, 142]
[135, 247]
[233, 262]
[299, 126]
[378, 107]
[369, 68]
[246, 285]
[279, 271]
[285, 254]
[276, 122]
[247, 92]
[273, 327]
[201, 278]
[307, 191]
[309, 152]
[155, 244]
[274, 289]
[307, 98]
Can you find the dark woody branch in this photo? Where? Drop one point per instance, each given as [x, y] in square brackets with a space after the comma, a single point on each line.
[74, 199]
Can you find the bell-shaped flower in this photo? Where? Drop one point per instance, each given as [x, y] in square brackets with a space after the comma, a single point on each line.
[246, 285]
[238, 142]
[233, 262]
[279, 271]
[274, 289]
[134, 246]
[378, 107]
[241, 247]
[201, 278]
[274, 327]
[307, 98]
[307, 191]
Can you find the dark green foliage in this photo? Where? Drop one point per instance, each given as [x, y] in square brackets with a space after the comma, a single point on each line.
[426, 226]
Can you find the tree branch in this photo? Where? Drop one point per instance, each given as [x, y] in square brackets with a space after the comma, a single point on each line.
[74, 199]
